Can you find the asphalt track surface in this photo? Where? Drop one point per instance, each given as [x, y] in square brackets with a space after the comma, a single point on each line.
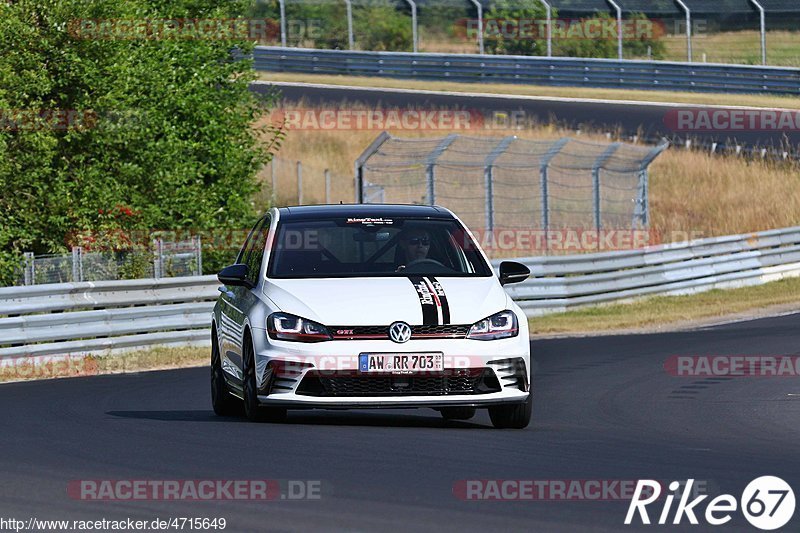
[605, 409]
[649, 121]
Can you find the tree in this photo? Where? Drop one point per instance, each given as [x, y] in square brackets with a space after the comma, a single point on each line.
[94, 116]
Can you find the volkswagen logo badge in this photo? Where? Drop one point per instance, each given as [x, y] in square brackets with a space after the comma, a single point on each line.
[400, 332]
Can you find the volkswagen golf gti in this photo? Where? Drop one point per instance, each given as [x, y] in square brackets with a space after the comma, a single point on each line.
[369, 306]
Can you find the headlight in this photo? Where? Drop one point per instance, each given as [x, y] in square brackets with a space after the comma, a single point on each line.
[498, 326]
[288, 327]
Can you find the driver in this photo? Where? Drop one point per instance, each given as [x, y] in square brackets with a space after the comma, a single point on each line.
[414, 245]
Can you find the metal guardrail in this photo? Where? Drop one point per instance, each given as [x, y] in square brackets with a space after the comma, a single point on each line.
[562, 282]
[603, 73]
[79, 318]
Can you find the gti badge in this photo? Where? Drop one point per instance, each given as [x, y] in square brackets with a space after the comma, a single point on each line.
[400, 332]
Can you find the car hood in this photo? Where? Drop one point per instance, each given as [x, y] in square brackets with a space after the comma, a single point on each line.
[381, 301]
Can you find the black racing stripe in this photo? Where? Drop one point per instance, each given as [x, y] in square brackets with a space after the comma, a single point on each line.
[442, 298]
[430, 316]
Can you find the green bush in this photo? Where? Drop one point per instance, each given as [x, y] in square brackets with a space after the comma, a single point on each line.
[163, 126]
[607, 47]
[502, 39]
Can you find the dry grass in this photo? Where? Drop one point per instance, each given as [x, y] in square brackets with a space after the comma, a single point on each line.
[670, 311]
[691, 192]
[743, 47]
[160, 358]
[749, 100]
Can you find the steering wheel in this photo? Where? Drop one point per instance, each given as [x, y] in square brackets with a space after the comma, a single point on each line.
[423, 261]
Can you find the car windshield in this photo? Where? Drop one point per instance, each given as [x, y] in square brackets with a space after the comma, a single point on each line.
[374, 247]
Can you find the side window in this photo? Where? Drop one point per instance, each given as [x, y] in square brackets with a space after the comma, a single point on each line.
[254, 253]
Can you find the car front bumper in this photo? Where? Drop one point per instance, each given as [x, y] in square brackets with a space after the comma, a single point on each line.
[282, 366]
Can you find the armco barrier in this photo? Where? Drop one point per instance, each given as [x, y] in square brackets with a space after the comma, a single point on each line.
[86, 317]
[562, 71]
[562, 282]
[78, 318]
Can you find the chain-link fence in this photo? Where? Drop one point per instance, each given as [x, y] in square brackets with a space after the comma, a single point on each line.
[164, 260]
[302, 182]
[713, 31]
[508, 182]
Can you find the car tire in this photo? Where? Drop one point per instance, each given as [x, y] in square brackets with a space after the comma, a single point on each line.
[457, 413]
[223, 403]
[252, 409]
[515, 416]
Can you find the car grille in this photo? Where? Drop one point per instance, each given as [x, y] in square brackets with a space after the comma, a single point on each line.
[447, 331]
[452, 381]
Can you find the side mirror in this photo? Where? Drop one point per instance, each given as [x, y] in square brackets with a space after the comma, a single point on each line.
[513, 272]
[235, 275]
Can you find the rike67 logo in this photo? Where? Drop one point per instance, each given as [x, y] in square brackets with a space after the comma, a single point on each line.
[767, 502]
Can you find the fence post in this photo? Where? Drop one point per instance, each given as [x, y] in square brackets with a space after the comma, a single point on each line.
[763, 25]
[350, 39]
[431, 163]
[198, 250]
[283, 22]
[272, 175]
[688, 29]
[77, 264]
[549, 14]
[30, 270]
[158, 259]
[598, 163]
[299, 183]
[327, 186]
[488, 173]
[543, 166]
[618, 9]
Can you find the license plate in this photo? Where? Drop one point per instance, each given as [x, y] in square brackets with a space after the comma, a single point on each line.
[400, 363]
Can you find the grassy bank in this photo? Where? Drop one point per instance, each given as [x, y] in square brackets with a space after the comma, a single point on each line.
[161, 358]
[669, 312]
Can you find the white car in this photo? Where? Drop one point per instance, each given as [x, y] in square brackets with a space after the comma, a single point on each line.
[369, 306]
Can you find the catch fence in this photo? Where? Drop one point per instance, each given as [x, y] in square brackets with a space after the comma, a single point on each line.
[512, 183]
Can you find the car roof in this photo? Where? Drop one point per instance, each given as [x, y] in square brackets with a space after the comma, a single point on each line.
[309, 212]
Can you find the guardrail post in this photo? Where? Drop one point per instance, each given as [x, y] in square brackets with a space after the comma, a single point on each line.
[77, 264]
[30, 271]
